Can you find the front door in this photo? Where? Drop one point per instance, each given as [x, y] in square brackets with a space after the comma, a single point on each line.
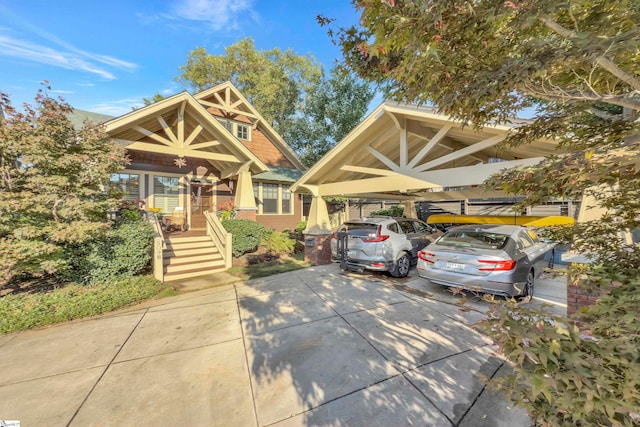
[201, 202]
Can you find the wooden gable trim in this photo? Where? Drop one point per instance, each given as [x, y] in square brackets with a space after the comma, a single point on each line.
[254, 116]
[177, 143]
[377, 156]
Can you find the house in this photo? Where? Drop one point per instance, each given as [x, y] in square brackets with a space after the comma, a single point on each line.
[193, 154]
[205, 152]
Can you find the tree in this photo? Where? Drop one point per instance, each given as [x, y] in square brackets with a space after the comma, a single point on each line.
[477, 59]
[155, 98]
[579, 62]
[275, 82]
[328, 114]
[52, 181]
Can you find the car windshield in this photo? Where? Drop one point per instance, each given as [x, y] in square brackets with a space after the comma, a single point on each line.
[360, 229]
[473, 239]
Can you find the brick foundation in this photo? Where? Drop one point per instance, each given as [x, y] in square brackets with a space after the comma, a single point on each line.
[317, 250]
[578, 297]
[249, 214]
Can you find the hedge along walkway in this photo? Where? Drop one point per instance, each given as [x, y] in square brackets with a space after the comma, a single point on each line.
[31, 310]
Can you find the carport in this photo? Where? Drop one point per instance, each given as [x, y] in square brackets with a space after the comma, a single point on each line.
[411, 153]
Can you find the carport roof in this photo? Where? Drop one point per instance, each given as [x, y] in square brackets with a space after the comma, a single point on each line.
[403, 151]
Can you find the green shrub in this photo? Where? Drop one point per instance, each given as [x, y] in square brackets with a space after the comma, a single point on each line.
[300, 227]
[247, 235]
[279, 243]
[124, 252]
[297, 232]
[566, 375]
[25, 311]
[131, 213]
[394, 211]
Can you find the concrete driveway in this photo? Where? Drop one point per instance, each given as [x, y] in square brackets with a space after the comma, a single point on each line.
[310, 347]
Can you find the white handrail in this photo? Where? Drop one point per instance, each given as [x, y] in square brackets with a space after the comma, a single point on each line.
[220, 237]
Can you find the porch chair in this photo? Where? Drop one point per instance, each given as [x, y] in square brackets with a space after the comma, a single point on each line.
[178, 219]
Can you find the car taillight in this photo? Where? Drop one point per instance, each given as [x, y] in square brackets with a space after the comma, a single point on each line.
[498, 265]
[375, 238]
[426, 256]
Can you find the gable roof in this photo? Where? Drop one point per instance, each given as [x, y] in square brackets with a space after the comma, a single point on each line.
[406, 151]
[181, 126]
[227, 97]
[78, 117]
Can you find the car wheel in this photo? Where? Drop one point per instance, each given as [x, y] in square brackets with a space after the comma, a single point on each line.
[401, 266]
[551, 260]
[527, 292]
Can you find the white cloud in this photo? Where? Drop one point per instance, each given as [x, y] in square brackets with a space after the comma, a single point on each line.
[219, 14]
[117, 107]
[54, 51]
[28, 51]
[169, 91]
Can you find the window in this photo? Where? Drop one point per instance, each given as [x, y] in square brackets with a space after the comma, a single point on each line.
[473, 239]
[227, 124]
[242, 131]
[421, 227]
[166, 193]
[406, 227]
[524, 240]
[269, 198]
[126, 183]
[273, 199]
[287, 206]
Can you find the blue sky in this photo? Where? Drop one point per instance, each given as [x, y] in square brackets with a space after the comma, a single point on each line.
[106, 56]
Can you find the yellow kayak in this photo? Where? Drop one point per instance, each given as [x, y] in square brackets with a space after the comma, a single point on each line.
[529, 221]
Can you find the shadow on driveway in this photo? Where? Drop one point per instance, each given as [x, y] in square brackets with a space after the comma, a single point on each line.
[332, 348]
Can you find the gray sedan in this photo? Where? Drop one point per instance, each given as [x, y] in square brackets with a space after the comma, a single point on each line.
[497, 259]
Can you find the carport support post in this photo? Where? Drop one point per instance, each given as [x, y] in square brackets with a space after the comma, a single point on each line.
[410, 209]
[245, 202]
[317, 235]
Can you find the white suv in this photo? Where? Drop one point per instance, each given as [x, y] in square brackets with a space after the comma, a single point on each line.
[381, 244]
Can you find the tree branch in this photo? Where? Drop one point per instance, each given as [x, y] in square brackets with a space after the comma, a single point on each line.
[563, 96]
[54, 210]
[601, 60]
[608, 65]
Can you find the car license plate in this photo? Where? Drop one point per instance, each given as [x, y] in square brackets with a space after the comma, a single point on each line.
[351, 253]
[455, 266]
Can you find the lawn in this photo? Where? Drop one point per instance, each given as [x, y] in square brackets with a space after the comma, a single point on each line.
[262, 268]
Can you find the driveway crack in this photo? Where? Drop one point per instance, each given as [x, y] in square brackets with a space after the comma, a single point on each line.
[106, 368]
